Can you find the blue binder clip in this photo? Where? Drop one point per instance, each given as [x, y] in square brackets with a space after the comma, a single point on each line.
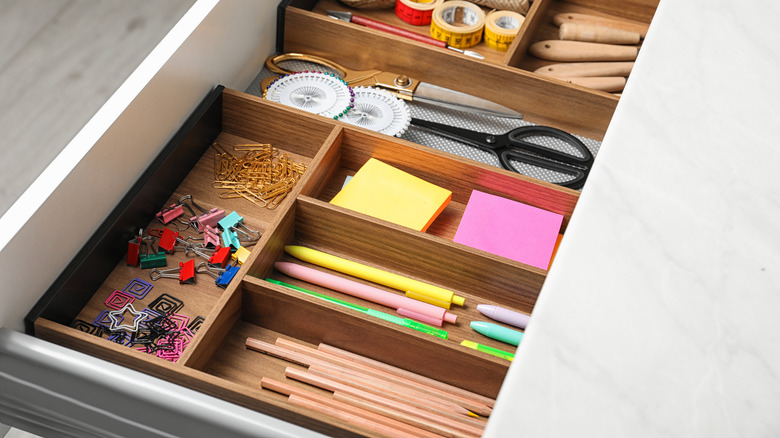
[222, 277]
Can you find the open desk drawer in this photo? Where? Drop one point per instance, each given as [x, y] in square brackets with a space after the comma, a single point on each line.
[216, 361]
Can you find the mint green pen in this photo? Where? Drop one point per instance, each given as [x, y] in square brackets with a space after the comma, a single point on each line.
[420, 327]
[497, 332]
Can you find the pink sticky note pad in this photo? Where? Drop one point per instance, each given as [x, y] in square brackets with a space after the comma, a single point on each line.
[509, 228]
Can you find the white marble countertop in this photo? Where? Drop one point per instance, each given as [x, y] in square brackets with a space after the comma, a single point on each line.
[660, 313]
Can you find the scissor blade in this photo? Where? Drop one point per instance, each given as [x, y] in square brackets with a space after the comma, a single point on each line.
[435, 95]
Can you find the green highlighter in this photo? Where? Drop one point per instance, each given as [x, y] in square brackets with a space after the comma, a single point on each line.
[406, 322]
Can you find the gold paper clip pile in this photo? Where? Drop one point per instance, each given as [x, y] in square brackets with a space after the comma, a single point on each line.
[261, 175]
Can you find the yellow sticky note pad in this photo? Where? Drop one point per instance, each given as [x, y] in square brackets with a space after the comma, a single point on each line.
[384, 192]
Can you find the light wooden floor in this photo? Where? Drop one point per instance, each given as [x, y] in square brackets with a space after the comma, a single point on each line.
[60, 60]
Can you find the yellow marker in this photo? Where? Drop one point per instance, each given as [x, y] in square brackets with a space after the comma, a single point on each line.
[414, 289]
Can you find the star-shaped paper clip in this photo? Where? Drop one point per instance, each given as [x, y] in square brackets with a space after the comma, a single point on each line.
[117, 316]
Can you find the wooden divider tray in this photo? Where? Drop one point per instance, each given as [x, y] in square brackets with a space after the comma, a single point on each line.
[507, 78]
[216, 360]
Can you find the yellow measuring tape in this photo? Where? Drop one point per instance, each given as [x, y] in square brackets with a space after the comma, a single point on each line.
[501, 27]
[458, 23]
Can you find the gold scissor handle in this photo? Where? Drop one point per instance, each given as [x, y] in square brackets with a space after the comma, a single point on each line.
[272, 63]
[400, 85]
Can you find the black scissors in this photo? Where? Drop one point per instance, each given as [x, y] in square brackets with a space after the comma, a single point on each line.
[513, 146]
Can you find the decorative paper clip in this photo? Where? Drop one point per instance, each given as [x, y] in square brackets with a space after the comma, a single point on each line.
[185, 273]
[221, 257]
[151, 260]
[222, 277]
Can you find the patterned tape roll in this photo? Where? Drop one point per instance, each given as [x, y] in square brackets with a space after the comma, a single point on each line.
[416, 12]
[458, 23]
[501, 28]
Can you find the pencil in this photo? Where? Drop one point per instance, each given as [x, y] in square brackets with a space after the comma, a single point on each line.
[469, 401]
[363, 417]
[333, 386]
[413, 418]
[407, 375]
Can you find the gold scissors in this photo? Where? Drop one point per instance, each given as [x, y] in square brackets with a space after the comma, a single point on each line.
[402, 86]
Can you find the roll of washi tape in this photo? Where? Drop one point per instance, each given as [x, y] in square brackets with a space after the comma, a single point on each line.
[416, 12]
[501, 27]
[458, 23]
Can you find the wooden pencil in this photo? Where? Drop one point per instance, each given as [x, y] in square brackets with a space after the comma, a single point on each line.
[366, 418]
[408, 375]
[414, 418]
[359, 419]
[470, 401]
[326, 383]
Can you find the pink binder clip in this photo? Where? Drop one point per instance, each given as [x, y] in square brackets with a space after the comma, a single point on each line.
[208, 219]
[210, 237]
[166, 215]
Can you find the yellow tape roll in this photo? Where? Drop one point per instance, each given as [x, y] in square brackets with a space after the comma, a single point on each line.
[416, 12]
[458, 23]
[501, 28]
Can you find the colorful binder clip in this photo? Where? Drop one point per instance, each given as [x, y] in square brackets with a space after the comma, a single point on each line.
[134, 249]
[222, 277]
[167, 215]
[168, 239]
[240, 255]
[230, 221]
[155, 260]
[221, 257]
[185, 273]
[210, 218]
[230, 239]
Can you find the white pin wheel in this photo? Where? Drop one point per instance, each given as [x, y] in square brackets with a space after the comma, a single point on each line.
[315, 92]
[379, 111]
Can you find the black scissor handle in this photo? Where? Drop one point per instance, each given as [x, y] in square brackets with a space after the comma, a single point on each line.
[577, 166]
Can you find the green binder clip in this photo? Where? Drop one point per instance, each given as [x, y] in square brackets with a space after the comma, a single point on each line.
[154, 260]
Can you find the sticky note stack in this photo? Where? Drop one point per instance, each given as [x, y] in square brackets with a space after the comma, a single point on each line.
[384, 192]
[509, 229]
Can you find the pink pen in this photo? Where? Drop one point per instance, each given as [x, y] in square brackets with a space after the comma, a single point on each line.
[408, 307]
[506, 316]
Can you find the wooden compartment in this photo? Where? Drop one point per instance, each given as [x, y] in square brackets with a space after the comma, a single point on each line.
[216, 360]
[504, 77]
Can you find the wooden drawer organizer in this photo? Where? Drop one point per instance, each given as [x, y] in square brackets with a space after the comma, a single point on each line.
[504, 77]
[216, 362]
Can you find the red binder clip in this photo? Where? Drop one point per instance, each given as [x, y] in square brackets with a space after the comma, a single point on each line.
[185, 273]
[168, 239]
[220, 258]
[134, 249]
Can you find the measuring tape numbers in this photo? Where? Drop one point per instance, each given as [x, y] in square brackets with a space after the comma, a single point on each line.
[458, 23]
[416, 12]
[501, 28]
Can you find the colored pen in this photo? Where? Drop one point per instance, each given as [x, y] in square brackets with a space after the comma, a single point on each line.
[417, 290]
[407, 307]
[506, 316]
[490, 350]
[497, 332]
[406, 322]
